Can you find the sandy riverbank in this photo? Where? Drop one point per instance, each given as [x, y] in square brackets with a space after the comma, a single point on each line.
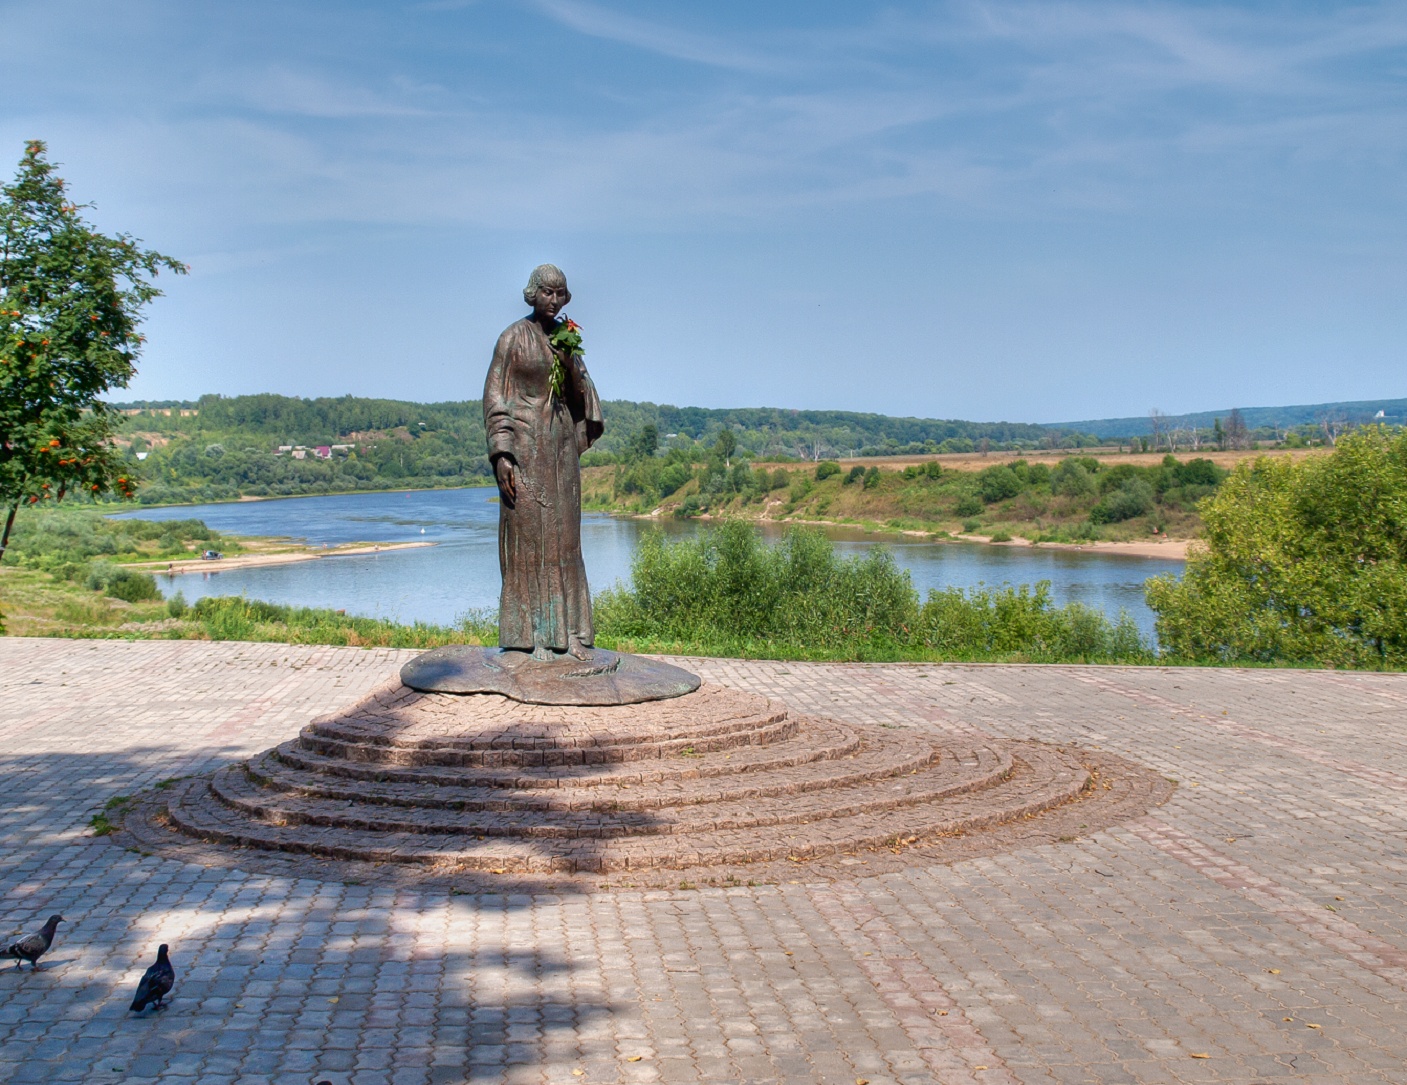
[1168, 549]
[245, 561]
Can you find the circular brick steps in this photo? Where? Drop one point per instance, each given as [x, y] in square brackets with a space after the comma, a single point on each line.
[482, 783]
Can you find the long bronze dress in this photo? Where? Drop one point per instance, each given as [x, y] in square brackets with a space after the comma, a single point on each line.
[545, 601]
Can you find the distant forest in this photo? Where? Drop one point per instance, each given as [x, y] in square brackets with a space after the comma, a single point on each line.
[218, 447]
[224, 447]
[1271, 422]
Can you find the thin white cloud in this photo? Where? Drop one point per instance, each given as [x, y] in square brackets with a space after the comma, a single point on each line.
[601, 22]
[284, 90]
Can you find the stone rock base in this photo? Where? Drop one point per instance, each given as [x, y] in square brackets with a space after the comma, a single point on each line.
[450, 784]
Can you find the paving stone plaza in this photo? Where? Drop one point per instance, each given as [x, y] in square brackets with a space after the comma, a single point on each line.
[1251, 928]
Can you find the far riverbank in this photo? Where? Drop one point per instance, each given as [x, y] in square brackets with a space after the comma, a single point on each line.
[248, 561]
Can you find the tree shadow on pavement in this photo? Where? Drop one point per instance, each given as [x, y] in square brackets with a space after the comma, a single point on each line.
[289, 978]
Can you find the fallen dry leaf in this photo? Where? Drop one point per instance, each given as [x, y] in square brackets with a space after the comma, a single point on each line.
[1273, 971]
[1200, 1055]
[979, 1068]
[1313, 1026]
[578, 1072]
[634, 1058]
[862, 1081]
[333, 998]
[499, 870]
[1287, 1018]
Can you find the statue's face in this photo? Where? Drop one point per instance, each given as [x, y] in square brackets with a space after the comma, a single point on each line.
[550, 299]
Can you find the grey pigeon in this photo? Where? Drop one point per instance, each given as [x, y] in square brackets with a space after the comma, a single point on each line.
[156, 984]
[34, 946]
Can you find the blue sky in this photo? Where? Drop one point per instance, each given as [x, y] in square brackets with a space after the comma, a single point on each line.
[1025, 211]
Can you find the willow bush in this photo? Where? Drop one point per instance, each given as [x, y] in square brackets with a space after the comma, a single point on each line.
[726, 592]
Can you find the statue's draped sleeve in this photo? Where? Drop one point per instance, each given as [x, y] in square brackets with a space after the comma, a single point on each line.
[591, 424]
[501, 426]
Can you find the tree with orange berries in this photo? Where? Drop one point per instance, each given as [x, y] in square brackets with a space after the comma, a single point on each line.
[70, 305]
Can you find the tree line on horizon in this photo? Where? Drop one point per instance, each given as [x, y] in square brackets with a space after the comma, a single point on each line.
[223, 447]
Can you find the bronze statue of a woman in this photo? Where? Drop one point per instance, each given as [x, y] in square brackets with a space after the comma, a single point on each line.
[541, 412]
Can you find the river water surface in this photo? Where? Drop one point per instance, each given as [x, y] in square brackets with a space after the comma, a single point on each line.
[460, 572]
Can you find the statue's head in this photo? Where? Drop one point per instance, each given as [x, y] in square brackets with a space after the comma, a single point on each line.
[546, 275]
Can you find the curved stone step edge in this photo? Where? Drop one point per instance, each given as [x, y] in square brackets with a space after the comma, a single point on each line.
[237, 790]
[845, 742]
[274, 774]
[192, 813]
[566, 757]
[203, 820]
[382, 733]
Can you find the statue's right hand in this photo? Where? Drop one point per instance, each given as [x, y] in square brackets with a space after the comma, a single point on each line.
[507, 485]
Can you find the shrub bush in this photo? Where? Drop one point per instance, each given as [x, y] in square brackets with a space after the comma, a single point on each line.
[1199, 472]
[1024, 620]
[1304, 562]
[855, 474]
[129, 585]
[673, 476]
[726, 586]
[1071, 479]
[1133, 498]
[969, 505]
[826, 469]
[998, 483]
[725, 591]
[872, 478]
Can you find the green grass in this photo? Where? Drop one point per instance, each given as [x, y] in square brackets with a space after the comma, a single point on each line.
[236, 618]
[100, 822]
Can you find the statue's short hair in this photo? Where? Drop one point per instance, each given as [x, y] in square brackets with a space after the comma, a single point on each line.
[543, 275]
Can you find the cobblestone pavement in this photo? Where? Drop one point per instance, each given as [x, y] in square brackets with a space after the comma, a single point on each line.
[1254, 929]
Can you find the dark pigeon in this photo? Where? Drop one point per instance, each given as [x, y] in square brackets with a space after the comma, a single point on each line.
[34, 946]
[156, 984]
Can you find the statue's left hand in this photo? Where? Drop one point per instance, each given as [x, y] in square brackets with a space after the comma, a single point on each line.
[507, 484]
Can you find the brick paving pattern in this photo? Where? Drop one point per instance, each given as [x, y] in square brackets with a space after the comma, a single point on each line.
[1257, 918]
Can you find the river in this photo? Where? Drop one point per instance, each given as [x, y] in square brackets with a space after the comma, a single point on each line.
[460, 573]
